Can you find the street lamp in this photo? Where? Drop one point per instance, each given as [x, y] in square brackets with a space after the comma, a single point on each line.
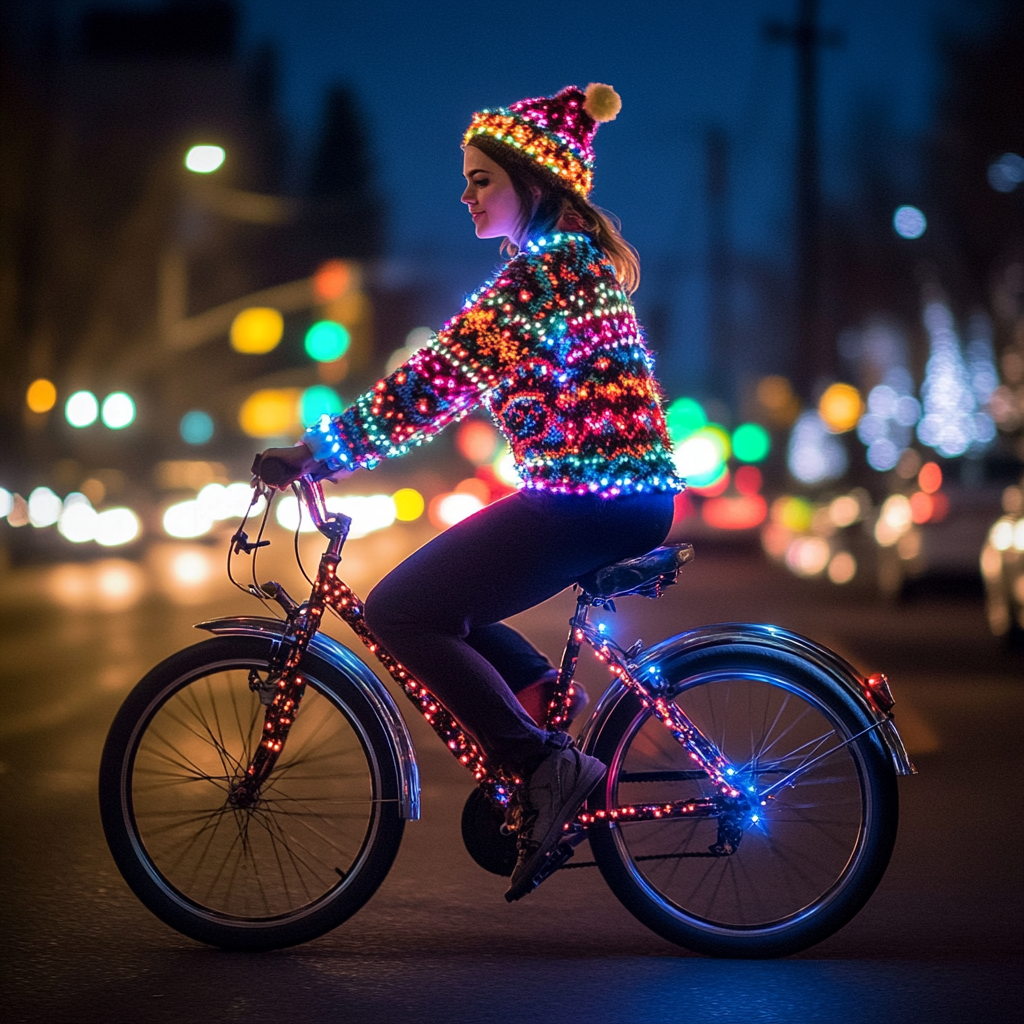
[204, 159]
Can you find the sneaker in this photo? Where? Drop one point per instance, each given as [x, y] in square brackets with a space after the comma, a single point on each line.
[543, 805]
[536, 697]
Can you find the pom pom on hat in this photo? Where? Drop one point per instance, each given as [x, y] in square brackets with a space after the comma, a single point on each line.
[555, 133]
[602, 103]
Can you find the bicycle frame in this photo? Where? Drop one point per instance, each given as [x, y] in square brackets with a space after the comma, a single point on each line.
[282, 692]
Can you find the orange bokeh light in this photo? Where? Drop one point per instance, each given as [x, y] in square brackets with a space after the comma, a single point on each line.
[929, 479]
[477, 441]
[922, 507]
[331, 280]
[742, 513]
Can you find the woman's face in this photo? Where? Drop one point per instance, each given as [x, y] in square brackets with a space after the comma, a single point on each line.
[490, 196]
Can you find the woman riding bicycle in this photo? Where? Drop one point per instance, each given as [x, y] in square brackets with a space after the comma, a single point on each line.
[551, 345]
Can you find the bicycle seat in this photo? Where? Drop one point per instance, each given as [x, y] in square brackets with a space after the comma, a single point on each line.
[646, 575]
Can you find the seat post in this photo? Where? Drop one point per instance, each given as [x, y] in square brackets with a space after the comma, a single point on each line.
[559, 706]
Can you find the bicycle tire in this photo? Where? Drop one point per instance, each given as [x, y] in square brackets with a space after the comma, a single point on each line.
[307, 856]
[819, 847]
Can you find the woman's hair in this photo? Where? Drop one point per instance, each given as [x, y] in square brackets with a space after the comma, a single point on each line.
[546, 207]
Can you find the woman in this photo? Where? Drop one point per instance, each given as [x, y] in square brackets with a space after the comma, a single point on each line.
[552, 347]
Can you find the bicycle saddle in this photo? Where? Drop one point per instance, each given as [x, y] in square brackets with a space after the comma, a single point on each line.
[646, 575]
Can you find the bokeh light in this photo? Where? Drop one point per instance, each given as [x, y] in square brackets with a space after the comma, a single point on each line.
[187, 519]
[270, 412]
[81, 409]
[6, 502]
[257, 330]
[317, 401]
[740, 513]
[842, 568]
[894, 519]
[775, 396]
[505, 469]
[701, 459]
[331, 280]
[909, 222]
[327, 341]
[77, 521]
[196, 427]
[1006, 173]
[794, 514]
[409, 504]
[815, 454]
[478, 441]
[44, 507]
[683, 417]
[748, 480]
[840, 407]
[41, 395]
[952, 422]
[368, 513]
[118, 410]
[204, 159]
[751, 442]
[808, 556]
[929, 479]
[448, 509]
[844, 510]
[117, 526]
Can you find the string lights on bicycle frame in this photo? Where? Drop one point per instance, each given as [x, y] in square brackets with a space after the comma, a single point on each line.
[330, 591]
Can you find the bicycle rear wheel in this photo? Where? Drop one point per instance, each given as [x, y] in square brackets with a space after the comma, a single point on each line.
[306, 856]
[809, 858]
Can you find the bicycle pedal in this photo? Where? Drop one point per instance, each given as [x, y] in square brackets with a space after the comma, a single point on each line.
[555, 859]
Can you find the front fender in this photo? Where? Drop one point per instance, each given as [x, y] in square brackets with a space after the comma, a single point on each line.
[336, 654]
[664, 658]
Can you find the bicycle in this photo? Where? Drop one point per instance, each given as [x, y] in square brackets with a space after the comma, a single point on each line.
[254, 787]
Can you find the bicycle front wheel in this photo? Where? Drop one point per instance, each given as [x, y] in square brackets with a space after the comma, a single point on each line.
[811, 852]
[304, 857]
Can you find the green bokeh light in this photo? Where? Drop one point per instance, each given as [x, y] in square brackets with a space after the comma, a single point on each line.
[316, 401]
[684, 417]
[327, 341]
[750, 442]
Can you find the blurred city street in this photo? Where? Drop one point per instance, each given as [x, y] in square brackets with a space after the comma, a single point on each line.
[940, 940]
[231, 227]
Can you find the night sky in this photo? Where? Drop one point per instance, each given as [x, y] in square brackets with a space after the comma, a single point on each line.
[421, 69]
[681, 67]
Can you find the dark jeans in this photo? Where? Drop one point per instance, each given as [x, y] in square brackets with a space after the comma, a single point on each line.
[440, 611]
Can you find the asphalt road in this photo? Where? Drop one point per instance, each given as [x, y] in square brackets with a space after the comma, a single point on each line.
[940, 941]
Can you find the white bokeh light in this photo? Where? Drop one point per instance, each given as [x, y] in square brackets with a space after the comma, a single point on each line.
[909, 222]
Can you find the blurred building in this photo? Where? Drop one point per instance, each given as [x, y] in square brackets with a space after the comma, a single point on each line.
[110, 245]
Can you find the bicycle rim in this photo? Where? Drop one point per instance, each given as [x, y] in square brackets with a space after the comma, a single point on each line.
[799, 848]
[292, 852]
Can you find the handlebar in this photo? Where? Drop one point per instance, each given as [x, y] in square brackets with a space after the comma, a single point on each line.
[334, 525]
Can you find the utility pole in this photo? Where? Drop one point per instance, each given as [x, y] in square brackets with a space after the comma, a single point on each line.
[722, 375]
[814, 357]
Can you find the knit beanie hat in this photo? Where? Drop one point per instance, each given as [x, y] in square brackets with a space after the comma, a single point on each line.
[554, 132]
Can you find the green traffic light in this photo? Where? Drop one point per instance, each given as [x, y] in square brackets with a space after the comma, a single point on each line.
[750, 442]
[327, 341]
[683, 417]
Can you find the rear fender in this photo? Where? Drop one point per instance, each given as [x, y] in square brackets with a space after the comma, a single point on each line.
[352, 668]
[666, 659]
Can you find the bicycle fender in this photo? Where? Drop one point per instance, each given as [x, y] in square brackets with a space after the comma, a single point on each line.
[352, 667]
[665, 657]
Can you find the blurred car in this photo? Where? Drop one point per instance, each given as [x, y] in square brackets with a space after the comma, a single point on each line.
[1002, 566]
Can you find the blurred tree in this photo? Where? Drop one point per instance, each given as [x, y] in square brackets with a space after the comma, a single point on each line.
[346, 218]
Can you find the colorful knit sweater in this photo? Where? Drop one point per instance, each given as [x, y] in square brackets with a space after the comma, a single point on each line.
[552, 346]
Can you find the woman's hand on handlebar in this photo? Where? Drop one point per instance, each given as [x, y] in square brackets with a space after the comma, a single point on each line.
[279, 467]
